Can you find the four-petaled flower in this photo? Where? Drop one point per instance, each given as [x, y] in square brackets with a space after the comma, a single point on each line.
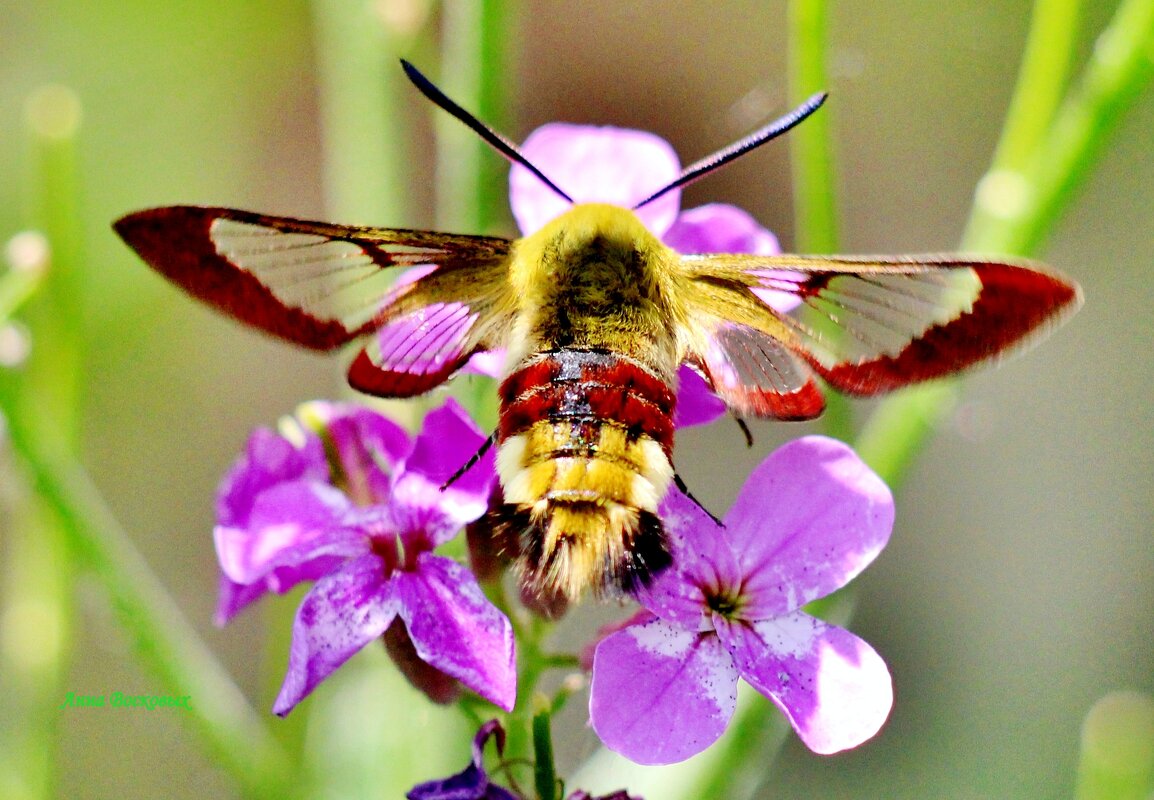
[346, 499]
[808, 520]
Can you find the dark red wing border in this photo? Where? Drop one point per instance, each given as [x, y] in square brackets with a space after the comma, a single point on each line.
[175, 241]
[1014, 304]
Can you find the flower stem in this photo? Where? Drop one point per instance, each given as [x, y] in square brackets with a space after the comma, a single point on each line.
[811, 144]
[1042, 81]
[165, 641]
[1014, 208]
[1016, 203]
[39, 609]
[477, 56]
[365, 146]
[544, 772]
[811, 148]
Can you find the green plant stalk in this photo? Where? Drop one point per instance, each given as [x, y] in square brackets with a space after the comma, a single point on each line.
[1015, 209]
[165, 643]
[544, 773]
[812, 164]
[45, 393]
[1121, 66]
[38, 631]
[477, 55]
[16, 287]
[1042, 80]
[364, 138]
[811, 144]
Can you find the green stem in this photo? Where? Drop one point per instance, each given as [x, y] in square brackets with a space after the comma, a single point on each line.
[364, 136]
[1042, 80]
[165, 642]
[477, 56]
[544, 772]
[1015, 208]
[811, 144]
[45, 393]
[812, 160]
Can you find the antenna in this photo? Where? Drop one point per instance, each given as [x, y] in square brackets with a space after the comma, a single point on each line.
[491, 137]
[739, 148]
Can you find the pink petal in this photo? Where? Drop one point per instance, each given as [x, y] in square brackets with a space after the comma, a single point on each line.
[268, 459]
[661, 694]
[808, 520]
[696, 402]
[832, 686]
[486, 362]
[594, 165]
[456, 629]
[703, 564]
[233, 597]
[719, 228]
[289, 525]
[369, 444]
[421, 510]
[342, 613]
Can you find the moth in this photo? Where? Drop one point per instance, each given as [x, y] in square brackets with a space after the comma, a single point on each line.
[596, 316]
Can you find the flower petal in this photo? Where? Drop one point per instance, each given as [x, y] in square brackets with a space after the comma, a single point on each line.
[233, 597]
[808, 520]
[703, 564]
[421, 510]
[456, 629]
[341, 614]
[696, 402]
[660, 693]
[268, 460]
[832, 686]
[368, 444]
[719, 228]
[486, 362]
[594, 165]
[289, 525]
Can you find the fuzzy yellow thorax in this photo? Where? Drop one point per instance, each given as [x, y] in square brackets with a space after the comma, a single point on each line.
[596, 277]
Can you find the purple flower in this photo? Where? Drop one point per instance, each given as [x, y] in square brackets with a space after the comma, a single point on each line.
[343, 497]
[472, 783]
[622, 167]
[807, 521]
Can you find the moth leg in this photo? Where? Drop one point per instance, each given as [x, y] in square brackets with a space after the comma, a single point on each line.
[472, 462]
[680, 484]
[744, 429]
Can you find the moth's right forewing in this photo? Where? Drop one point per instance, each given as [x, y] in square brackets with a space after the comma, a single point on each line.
[429, 328]
[311, 283]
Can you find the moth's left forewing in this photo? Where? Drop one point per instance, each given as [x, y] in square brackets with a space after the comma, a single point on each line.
[871, 325]
[312, 283]
[321, 285]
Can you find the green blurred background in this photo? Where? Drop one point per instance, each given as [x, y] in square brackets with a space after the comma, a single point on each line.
[1019, 585]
